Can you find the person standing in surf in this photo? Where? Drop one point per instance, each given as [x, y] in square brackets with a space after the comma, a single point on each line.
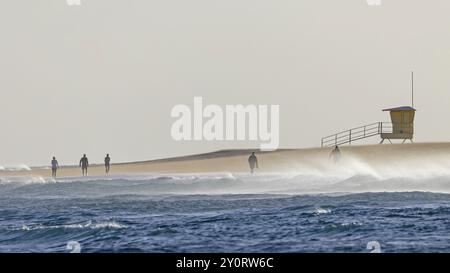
[107, 161]
[55, 167]
[84, 164]
[253, 162]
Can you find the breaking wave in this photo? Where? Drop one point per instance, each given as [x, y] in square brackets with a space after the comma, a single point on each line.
[16, 167]
[350, 175]
[321, 211]
[86, 225]
[238, 183]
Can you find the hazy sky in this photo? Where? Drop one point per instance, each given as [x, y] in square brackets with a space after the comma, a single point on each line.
[104, 76]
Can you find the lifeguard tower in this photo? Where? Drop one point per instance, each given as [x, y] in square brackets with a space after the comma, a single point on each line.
[401, 127]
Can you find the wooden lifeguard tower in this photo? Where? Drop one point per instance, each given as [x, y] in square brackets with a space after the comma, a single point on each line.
[401, 127]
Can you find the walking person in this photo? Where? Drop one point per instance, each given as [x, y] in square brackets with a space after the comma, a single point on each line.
[84, 164]
[107, 165]
[55, 167]
[253, 162]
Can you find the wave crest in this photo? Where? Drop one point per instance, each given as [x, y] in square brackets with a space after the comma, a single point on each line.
[86, 225]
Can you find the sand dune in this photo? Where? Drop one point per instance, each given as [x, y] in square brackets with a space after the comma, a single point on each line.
[376, 156]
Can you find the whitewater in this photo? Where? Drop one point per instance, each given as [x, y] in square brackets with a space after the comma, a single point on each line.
[403, 208]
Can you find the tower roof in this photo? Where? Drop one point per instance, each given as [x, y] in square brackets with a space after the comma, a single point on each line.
[401, 108]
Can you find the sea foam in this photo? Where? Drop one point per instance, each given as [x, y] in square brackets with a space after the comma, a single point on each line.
[16, 167]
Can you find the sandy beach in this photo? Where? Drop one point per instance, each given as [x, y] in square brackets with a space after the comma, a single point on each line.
[276, 161]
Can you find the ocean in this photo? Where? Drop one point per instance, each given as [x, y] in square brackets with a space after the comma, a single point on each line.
[226, 212]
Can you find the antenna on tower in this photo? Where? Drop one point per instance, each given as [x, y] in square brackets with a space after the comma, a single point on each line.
[412, 89]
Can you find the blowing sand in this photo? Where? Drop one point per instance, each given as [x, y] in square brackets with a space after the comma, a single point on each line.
[277, 161]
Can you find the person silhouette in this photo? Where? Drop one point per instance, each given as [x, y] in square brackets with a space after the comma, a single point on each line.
[55, 167]
[84, 164]
[336, 154]
[107, 161]
[253, 162]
